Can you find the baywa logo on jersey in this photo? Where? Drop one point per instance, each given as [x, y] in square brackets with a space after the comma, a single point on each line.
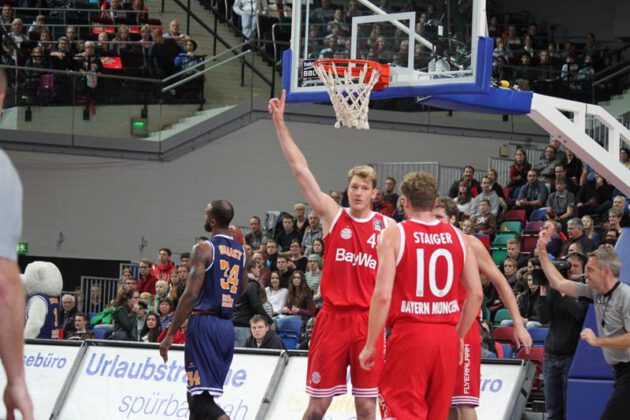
[315, 377]
[346, 233]
[377, 225]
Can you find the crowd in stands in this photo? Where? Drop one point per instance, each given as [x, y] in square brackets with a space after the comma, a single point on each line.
[121, 40]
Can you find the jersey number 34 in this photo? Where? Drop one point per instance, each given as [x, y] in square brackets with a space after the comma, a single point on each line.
[230, 276]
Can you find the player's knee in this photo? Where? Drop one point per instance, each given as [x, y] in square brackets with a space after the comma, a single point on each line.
[316, 408]
[366, 408]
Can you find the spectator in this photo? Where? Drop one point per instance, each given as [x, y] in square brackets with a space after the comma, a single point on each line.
[305, 339]
[146, 281]
[612, 235]
[61, 58]
[176, 288]
[287, 234]
[574, 167]
[256, 238]
[509, 271]
[323, 14]
[248, 305]
[7, 17]
[175, 34]
[79, 328]
[114, 11]
[121, 42]
[265, 301]
[560, 171]
[512, 39]
[297, 260]
[594, 197]
[272, 254]
[161, 292]
[314, 272]
[464, 198]
[165, 311]
[284, 270]
[276, 294]
[46, 44]
[380, 205]
[565, 316]
[140, 308]
[183, 271]
[522, 74]
[151, 329]
[527, 304]
[614, 219]
[69, 311]
[468, 176]
[262, 336]
[484, 221]
[468, 227]
[554, 247]
[500, 49]
[318, 248]
[575, 230]
[493, 175]
[124, 319]
[532, 195]
[514, 252]
[624, 156]
[546, 166]
[519, 169]
[39, 25]
[146, 298]
[389, 194]
[265, 273]
[338, 19]
[301, 222]
[399, 212]
[486, 194]
[75, 43]
[162, 55]
[300, 297]
[141, 11]
[163, 269]
[589, 230]
[89, 65]
[313, 231]
[17, 34]
[248, 10]
[381, 51]
[569, 72]
[560, 203]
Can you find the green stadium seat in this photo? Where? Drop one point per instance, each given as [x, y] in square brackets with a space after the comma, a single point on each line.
[501, 315]
[511, 226]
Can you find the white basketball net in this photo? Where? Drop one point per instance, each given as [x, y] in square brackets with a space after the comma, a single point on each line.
[349, 95]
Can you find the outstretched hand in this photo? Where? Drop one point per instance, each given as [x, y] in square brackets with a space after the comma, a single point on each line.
[276, 108]
[543, 239]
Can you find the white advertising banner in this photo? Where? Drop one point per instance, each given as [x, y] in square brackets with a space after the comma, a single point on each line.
[46, 368]
[124, 383]
[498, 383]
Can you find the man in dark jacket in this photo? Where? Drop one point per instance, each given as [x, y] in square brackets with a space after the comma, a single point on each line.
[565, 316]
[262, 336]
[69, 306]
[248, 305]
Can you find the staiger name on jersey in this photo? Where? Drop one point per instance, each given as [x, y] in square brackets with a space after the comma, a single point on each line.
[429, 308]
[441, 238]
[361, 259]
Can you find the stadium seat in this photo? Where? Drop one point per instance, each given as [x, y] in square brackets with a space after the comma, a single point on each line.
[533, 228]
[538, 335]
[528, 243]
[498, 255]
[290, 341]
[498, 349]
[504, 335]
[538, 214]
[289, 330]
[102, 331]
[535, 355]
[485, 239]
[500, 241]
[501, 315]
[520, 215]
[511, 226]
[508, 351]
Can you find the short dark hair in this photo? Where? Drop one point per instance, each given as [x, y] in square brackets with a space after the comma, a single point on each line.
[142, 305]
[222, 211]
[184, 255]
[167, 250]
[256, 217]
[284, 257]
[257, 318]
[390, 178]
[82, 315]
[449, 206]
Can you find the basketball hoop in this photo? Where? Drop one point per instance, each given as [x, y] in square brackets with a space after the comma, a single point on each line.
[349, 84]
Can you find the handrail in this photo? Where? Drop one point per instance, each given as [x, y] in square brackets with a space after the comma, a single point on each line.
[98, 10]
[213, 58]
[609, 70]
[619, 72]
[79, 74]
[221, 40]
[204, 71]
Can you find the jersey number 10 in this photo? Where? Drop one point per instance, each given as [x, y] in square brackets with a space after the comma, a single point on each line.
[422, 275]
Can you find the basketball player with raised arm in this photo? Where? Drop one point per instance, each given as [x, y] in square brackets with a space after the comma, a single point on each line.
[347, 283]
[217, 278]
[422, 265]
[467, 388]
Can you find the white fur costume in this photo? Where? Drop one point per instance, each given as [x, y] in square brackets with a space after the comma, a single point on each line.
[40, 278]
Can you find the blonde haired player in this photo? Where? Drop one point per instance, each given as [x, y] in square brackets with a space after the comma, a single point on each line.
[347, 283]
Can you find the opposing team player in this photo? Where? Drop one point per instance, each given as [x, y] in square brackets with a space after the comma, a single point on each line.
[421, 265]
[347, 283]
[467, 388]
[217, 277]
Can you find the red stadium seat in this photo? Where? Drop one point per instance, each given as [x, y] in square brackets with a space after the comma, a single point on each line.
[504, 335]
[536, 355]
[520, 215]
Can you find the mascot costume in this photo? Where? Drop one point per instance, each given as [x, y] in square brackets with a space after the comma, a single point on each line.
[43, 284]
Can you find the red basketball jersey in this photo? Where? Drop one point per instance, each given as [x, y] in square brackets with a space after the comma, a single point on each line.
[428, 271]
[350, 260]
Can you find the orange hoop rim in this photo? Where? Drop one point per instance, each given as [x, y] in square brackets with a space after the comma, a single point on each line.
[341, 65]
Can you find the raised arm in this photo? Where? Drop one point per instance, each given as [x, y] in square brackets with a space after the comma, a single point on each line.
[381, 299]
[200, 258]
[490, 270]
[556, 281]
[320, 202]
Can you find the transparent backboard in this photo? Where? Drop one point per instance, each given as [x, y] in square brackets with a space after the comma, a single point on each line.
[431, 47]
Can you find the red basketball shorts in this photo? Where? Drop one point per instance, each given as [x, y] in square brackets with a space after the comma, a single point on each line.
[469, 372]
[338, 338]
[420, 370]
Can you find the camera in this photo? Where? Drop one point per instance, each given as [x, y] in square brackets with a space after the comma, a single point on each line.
[538, 275]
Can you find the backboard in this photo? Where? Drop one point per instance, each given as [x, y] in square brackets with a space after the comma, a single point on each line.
[432, 47]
